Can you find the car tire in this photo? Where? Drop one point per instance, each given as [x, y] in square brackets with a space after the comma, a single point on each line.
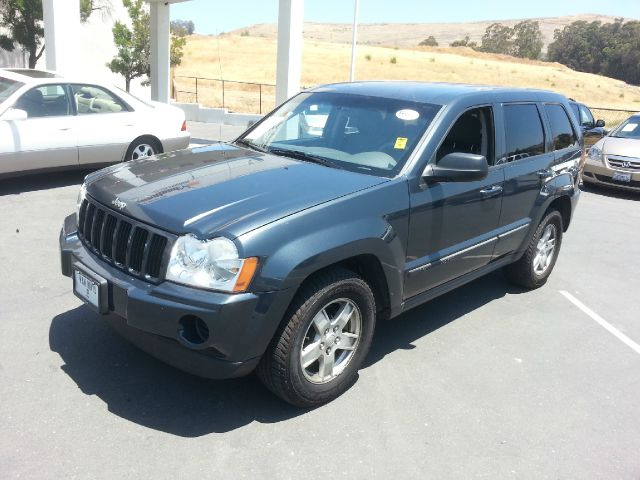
[142, 147]
[305, 364]
[534, 267]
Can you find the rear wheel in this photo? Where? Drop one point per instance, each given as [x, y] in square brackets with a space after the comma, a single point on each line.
[141, 148]
[535, 266]
[316, 354]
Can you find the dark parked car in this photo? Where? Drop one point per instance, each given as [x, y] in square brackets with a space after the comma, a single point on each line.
[281, 250]
[592, 129]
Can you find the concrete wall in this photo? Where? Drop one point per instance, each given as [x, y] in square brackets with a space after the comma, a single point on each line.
[197, 113]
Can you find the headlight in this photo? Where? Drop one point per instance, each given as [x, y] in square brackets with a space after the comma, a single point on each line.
[595, 154]
[212, 264]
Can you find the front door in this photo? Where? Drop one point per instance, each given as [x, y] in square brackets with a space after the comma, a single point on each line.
[453, 224]
[46, 139]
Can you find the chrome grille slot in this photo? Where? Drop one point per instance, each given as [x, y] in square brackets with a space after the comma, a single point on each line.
[123, 242]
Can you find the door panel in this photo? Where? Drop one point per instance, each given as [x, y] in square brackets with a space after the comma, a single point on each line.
[37, 143]
[452, 230]
[105, 125]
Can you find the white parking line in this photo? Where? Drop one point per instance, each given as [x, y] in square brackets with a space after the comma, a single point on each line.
[602, 322]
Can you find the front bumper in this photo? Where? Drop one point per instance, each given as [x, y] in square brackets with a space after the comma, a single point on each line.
[240, 326]
[595, 172]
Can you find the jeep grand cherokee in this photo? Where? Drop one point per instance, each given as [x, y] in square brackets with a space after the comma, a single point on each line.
[349, 204]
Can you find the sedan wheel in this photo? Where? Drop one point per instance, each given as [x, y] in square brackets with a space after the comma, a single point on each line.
[142, 150]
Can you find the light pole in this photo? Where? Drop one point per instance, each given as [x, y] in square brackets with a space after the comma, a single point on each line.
[353, 40]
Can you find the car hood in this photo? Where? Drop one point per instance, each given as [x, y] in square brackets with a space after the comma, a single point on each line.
[624, 147]
[219, 189]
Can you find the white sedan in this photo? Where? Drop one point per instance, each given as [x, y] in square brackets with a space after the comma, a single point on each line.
[48, 121]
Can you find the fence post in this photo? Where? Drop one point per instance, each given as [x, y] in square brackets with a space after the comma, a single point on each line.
[196, 89]
[260, 108]
[222, 93]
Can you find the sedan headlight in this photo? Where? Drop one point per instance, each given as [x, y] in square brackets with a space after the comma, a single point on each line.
[595, 154]
[212, 264]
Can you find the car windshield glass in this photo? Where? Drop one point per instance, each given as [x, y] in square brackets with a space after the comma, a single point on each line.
[356, 132]
[7, 87]
[628, 129]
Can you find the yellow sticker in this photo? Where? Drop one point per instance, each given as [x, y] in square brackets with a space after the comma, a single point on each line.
[401, 143]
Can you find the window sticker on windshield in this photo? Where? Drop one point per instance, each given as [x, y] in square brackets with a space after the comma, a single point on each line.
[401, 143]
[629, 127]
[407, 114]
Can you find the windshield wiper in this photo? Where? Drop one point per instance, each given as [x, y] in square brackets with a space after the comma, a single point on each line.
[307, 157]
[251, 145]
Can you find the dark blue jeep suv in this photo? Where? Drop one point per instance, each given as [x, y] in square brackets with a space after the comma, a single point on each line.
[349, 204]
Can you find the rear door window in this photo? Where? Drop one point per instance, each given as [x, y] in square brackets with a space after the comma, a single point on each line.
[524, 134]
[91, 100]
[561, 129]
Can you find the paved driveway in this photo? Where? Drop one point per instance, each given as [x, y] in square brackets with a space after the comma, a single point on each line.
[488, 381]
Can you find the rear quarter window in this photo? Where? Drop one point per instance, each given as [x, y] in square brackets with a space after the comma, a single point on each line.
[524, 134]
[563, 134]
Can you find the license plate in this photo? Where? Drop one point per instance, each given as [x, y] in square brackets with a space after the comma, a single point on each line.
[621, 177]
[87, 288]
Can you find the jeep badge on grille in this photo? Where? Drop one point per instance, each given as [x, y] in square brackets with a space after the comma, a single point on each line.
[119, 204]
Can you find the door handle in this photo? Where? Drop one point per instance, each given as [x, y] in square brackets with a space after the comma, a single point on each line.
[492, 191]
[64, 129]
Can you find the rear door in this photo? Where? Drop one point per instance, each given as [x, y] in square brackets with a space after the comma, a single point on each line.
[453, 224]
[528, 162]
[106, 124]
[46, 139]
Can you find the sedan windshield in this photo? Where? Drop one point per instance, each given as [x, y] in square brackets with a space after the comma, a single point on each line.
[7, 87]
[360, 133]
[628, 129]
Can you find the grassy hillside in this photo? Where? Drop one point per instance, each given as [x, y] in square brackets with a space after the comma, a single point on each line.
[253, 59]
[411, 34]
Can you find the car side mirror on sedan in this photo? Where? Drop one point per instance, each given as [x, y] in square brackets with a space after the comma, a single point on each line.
[600, 123]
[457, 167]
[14, 114]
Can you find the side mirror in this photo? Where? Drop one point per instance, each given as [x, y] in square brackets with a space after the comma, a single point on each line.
[14, 114]
[457, 167]
[600, 123]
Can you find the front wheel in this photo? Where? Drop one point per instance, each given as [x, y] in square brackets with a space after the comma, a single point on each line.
[535, 266]
[316, 354]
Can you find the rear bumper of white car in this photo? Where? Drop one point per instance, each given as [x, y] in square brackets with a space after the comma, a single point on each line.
[176, 143]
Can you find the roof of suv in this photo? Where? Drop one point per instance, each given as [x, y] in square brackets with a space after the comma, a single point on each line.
[438, 93]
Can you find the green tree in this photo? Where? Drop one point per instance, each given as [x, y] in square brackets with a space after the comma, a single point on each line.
[527, 42]
[87, 7]
[182, 27]
[134, 44]
[430, 41]
[497, 38]
[580, 46]
[23, 21]
[465, 42]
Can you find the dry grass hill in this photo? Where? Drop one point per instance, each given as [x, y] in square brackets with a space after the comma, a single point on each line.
[253, 59]
[411, 34]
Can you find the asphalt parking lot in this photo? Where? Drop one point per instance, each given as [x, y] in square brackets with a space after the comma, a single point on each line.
[488, 381]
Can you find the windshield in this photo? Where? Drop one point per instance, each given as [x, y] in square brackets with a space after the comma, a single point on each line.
[7, 87]
[355, 132]
[628, 129]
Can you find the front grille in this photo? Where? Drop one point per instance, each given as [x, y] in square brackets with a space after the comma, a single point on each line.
[624, 163]
[123, 242]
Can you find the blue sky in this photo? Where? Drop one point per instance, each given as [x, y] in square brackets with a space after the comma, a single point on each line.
[215, 16]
